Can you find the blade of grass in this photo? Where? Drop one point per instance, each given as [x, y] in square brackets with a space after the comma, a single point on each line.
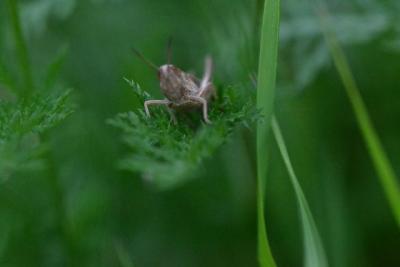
[22, 51]
[314, 253]
[265, 99]
[123, 256]
[5, 77]
[54, 68]
[382, 165]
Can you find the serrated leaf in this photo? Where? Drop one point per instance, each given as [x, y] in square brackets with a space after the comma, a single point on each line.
[20, 126]
[168, 155]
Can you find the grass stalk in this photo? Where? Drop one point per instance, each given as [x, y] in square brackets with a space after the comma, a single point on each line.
[265, 98]
[382, 165]
[123, 256]
[314, 253]
[5, 77]
[22, 51]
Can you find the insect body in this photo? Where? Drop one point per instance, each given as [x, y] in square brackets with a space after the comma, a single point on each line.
[182, 90]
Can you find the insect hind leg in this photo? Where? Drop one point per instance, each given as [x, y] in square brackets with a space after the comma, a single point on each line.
[172, 115]
[205, 82]
[205, 108]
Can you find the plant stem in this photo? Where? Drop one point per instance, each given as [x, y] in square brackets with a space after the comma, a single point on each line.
[377, 153]
[22, 51]
[62, 221]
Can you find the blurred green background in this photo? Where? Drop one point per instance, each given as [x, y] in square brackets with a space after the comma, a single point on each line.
[76, 208]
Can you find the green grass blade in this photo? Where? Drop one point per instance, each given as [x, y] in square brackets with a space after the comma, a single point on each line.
[382, 165]
[54, 69]
[123, 256]
[314, 253]
[265, 99]
[5, 77]
[22, 51]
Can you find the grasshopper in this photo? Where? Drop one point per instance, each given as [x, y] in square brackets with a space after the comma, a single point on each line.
[182, 91]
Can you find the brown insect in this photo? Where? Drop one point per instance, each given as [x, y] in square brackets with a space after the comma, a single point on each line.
[183, 91]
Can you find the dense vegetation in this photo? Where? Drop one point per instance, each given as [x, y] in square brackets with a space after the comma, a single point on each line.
[87, 180]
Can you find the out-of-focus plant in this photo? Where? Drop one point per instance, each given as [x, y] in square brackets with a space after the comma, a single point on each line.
[383, 167]
[304, 52]
[21, 124]
[36, 14]
[25, 113]
[314, 252]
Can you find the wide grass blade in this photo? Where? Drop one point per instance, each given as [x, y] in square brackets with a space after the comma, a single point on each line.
[314, 254]
[265, 99]
[382, 165]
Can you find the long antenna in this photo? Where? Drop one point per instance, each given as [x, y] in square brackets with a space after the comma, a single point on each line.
[145, 60]
[169, 50]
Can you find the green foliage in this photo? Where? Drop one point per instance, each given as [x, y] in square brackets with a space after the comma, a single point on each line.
[266, 81]
[37, 14]
[73, 211]
[32, 116]
[21, 124]
[24, 120]
[168, 154]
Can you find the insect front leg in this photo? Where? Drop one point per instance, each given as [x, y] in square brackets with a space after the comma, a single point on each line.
[165, 102]
[148, 103]
[204, 104]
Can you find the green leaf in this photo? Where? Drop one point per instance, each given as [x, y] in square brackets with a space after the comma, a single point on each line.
[265, 99]
[314, 253]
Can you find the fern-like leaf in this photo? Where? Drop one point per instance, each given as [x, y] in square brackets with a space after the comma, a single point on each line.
[168, 154]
